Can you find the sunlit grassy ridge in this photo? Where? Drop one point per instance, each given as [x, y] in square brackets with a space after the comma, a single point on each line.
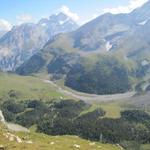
[27, 87]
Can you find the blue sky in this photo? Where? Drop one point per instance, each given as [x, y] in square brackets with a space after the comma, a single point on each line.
[19, 11]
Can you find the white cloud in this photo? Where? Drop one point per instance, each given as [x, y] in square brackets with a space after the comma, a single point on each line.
[5, 25]
[126, 9]
[24, 18]
[69, 13]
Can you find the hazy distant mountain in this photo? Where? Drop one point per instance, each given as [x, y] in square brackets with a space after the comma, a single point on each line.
[56, 24]
[141, 14]
[23, 41]
[2, 32]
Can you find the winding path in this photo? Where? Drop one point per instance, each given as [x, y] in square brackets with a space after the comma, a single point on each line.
[12, 126]
[91, 97]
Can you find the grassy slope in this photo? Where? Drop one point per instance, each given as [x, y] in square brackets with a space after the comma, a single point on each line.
[32, 88]
[26, 87]
[145, 147]
[29, 87]
[112, 109]
[44, 142]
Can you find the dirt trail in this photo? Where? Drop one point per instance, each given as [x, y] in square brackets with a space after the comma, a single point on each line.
[11, 126]
[91, 97]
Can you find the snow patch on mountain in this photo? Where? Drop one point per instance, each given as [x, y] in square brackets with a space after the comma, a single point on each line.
[108, 46]
[144, 63]
[43, 24]
[5, 52]
[144, 22]
[64, 21]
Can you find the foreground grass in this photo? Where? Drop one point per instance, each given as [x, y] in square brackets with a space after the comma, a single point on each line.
[44, 142]
[27, 87]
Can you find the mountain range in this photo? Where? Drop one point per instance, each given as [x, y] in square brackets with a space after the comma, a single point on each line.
[113, 48]
[109, 49]
[21, 42]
